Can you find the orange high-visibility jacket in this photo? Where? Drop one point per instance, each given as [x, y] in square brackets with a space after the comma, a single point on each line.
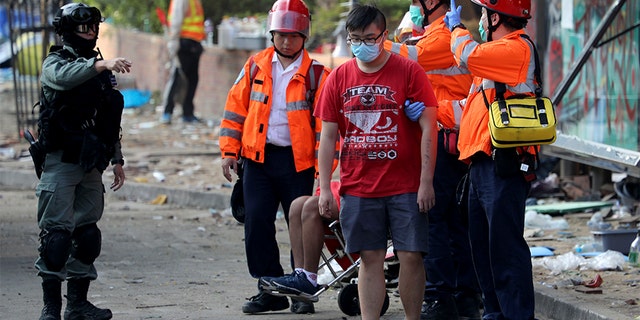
[246, 115]
[450, 82]
[509, 60]
[193, 21]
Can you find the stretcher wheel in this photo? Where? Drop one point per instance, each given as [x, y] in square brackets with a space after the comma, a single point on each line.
[349, 303]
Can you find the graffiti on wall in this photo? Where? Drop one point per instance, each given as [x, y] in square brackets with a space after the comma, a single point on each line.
[601, 105]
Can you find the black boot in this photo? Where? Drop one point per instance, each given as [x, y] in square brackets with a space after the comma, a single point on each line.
[52, 299]
[442, 307]
[469, 305]
[78, 308]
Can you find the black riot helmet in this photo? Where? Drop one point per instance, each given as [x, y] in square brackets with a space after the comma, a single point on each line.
[77, 17]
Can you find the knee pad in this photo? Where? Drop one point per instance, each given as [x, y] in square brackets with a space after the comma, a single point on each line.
[87, 242]
[54, 248]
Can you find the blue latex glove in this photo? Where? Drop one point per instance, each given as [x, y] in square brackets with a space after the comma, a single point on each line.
[413, 110]
[452, 17]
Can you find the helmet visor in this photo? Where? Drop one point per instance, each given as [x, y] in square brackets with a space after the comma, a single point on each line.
[288, 21]
[84, 28]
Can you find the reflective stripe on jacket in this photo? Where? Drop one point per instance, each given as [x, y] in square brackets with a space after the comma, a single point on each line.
[193, 22]
[246, 116]
[449, 81]
[509, 60]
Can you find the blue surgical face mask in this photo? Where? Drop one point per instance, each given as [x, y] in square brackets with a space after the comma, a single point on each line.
[364, 52]
[482, 31]
[416, 15]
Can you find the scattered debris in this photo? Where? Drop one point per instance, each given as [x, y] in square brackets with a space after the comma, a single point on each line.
[595, 282]
[589, 291]
[160, 199]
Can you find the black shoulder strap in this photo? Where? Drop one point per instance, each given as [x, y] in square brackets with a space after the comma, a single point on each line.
[537, 70]
[501, 88]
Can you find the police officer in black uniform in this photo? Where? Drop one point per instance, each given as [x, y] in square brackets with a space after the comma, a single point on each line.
[79, 129]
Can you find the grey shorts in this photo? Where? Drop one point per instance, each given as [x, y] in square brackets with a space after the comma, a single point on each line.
[367, 222]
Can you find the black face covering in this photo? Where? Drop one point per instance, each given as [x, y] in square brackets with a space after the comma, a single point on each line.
[83, 46]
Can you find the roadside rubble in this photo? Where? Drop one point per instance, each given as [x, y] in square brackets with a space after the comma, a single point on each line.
[568, 256]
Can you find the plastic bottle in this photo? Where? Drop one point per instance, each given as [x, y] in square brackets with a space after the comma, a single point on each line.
[208, 29]
[634, 251]
[588, 247]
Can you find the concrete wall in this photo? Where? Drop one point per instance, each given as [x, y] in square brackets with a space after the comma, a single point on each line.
[218, 67]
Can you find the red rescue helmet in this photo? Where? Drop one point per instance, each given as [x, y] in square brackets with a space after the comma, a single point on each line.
[289, 16]
[512, 8]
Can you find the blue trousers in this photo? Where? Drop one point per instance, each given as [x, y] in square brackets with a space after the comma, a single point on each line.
[501, 256]
[448, 263]
[267, 186]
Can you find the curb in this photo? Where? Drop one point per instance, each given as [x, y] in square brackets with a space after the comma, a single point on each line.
[26, 180]
[552, 304]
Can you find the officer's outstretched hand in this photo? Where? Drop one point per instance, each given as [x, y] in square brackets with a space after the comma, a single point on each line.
[413, 110]
[118, 177]
[120, 65]
[452, 17]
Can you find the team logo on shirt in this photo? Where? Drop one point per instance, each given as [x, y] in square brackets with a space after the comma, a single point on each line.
[368, 99]
[368, 94]
[372, 112]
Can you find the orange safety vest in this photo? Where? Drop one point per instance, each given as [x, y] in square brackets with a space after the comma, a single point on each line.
[243, 130]
[449, 81]
[193, 23]
[508, 60]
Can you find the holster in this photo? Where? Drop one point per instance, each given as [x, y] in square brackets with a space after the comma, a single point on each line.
[37, 152]
[38, 155]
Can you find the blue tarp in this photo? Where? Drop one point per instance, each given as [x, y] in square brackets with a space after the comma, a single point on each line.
[134, 98]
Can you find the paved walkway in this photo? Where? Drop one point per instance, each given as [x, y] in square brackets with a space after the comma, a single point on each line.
[550, 304]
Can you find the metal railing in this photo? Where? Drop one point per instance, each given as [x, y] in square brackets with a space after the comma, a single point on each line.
[30, 36]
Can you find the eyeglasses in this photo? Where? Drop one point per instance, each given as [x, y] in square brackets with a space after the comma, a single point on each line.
[367, 41]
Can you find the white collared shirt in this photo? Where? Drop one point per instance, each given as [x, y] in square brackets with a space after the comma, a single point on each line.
[278, 130]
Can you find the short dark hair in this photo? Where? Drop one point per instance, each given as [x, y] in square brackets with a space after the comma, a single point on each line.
[361, 16]
[514, 23]
[510, 23]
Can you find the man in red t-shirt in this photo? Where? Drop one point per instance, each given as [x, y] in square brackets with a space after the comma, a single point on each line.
[386, 162]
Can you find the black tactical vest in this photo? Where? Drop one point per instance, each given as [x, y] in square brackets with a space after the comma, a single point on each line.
[85, 121]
